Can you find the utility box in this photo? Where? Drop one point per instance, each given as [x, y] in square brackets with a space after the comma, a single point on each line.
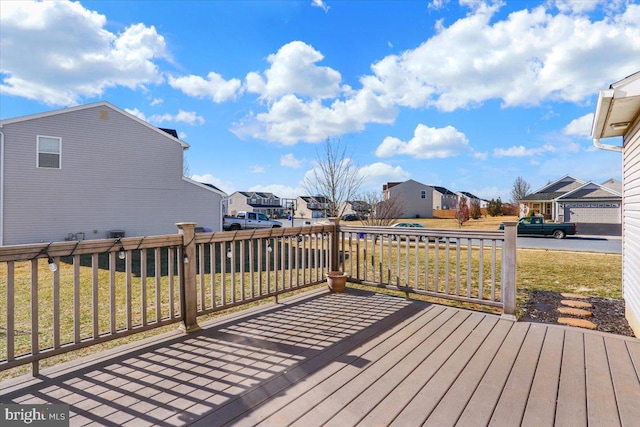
[114, 234]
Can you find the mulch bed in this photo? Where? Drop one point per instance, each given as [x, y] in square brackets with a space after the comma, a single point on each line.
[608, 314]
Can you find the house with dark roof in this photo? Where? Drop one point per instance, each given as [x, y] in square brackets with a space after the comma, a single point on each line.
[443, 198]
[569, 199]
[472, 198]
[97, 172]
[255, 201]
[312, 206]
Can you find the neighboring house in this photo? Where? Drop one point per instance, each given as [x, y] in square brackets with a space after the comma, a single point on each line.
[415, 198]
[252, 201]
[472, 198]
[590, 203]
[618, 115]
[543, 200]
[570, 199]
[358, 207]
[95, 171]
[312, 207]
[443, 198]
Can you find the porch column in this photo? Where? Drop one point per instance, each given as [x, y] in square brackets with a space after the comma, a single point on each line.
[509, 250]
[189, 296]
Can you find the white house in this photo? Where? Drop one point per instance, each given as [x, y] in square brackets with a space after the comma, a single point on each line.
[95, 171]
[255, 201]
[443, 198]
[617, 115]
[569, 199]
[312, 206]
[415, 198]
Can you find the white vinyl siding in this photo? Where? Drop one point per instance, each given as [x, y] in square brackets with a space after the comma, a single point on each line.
[631, 231]
[49, 150]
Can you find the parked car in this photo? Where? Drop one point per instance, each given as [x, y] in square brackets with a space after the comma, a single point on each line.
[536, 226]
[407, 225]
[351, 217]
[247, 220]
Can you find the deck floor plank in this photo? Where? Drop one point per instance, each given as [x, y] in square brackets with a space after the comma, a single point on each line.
[625, 381]
[541, 406]
[359, 358]
[313, 389]
[454, 401]
[481, 405]
[571, 409]
[394, 402]
[423, 403]
[601, 404]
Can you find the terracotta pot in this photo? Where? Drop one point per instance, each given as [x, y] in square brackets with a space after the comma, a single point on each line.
[337, 281]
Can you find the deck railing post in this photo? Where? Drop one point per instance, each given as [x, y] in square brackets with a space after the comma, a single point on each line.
[334, 262]
[509, 250]
[188, 278]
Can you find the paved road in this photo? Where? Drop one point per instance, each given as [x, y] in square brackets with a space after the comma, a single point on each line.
[608, 244]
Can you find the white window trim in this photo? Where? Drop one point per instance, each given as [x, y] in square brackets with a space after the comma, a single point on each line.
[38, 151]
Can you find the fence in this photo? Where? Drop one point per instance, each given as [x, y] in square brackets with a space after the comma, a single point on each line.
[64, 296]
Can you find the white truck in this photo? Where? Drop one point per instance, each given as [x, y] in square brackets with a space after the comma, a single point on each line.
[248, 220]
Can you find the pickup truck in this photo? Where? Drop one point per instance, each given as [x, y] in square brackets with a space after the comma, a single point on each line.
[536, 226]
[248, 220]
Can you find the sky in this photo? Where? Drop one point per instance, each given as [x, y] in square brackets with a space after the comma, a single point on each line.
[468, 95]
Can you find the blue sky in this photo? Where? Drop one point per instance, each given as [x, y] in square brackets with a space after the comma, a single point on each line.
[468, 95]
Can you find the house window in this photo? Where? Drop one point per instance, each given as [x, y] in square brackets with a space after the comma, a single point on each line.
[423, 194]
[49, 149]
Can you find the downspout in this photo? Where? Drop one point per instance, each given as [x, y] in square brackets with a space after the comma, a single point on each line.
[1, 188]
[598, 144]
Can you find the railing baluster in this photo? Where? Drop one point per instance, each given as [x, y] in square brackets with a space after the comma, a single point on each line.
[446, 265]
[158, 273]
[251, 269]
[143, 285]
[242, 258]
[95, 305]
[35, 345]
[458, 267]
[76, 299]
[201, 273]
[56, 304]
[11, 311]
[469, 267]
[129, 288]
[223, 273]
[481, 270]
[112, 292]
[493, 270]
[170, 267]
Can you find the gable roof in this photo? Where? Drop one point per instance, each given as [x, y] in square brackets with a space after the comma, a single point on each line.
[105, 104]
[469, 195]
[443, 190]
[592, 190]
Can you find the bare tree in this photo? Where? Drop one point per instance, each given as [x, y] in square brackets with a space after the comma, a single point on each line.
[382, 212]
[519, 190]
[462, 213]
[335, 177]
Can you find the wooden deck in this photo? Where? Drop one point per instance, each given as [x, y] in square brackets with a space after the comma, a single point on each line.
[358, 358]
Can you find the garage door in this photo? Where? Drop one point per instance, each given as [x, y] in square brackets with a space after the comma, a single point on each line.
[604, 213]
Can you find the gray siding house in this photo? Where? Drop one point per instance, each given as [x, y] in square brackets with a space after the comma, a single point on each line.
[415, 198]
[443, 198]
[255, 201]
[618, 115]
[94, 171]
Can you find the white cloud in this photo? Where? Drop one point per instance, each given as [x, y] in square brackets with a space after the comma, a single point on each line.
[522, 151]
[480, 155]
[427, 143]
[257, 169]
[294, 71]
[226, 186]
[213, 87]
[70, 53]
[188, 117]
[135, 112]
[182, 135]
[321, 4]
[529, 57]
[573, 6]
[289, 161]
[378, 173]
[580, 126]
[282, 191]
[156, 101]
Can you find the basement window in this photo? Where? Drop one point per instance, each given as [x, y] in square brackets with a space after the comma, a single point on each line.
[49, 152]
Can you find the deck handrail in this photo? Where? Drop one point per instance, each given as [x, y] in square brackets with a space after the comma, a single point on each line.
[105, 289]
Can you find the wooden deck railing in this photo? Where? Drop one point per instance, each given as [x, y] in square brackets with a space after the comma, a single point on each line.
[471, 266]
[64, 296]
